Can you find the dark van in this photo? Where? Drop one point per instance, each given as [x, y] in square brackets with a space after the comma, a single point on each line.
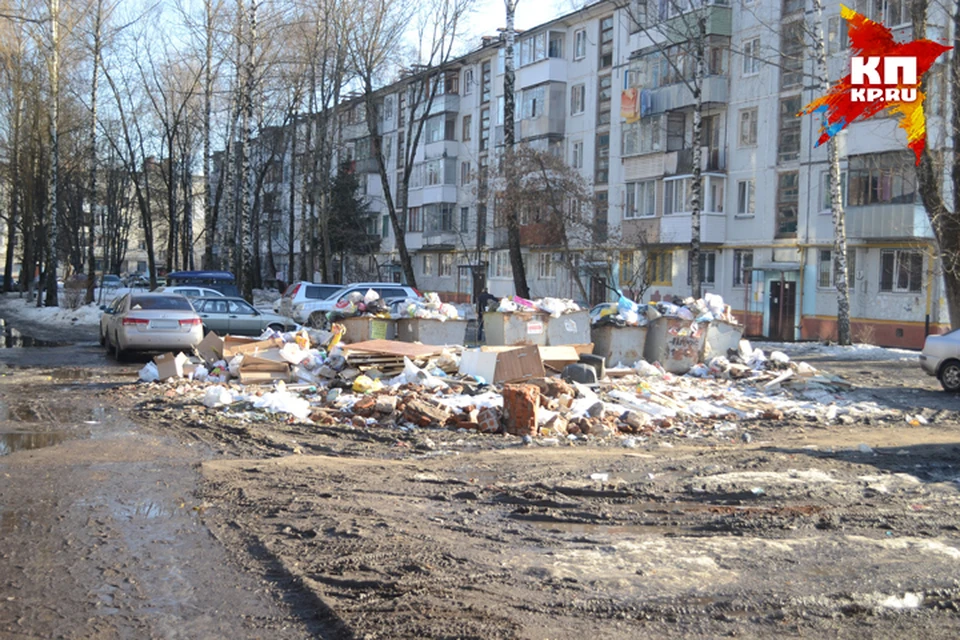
[222, 281]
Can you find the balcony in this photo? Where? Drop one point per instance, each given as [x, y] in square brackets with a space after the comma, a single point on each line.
[888, 221]
[441, 149]
[446, 103]
[680, 163]
[675, 228]
[546, 70]
[439, 238]
[716, 89]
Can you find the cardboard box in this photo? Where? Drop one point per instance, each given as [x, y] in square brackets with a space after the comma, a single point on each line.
[170, 365]
[499, 366]
[211, 348]
[233, 345]
[257, 369]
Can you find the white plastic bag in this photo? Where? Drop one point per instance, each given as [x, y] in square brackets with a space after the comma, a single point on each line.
[149, 373]
[714, 303]
[647, 370]
[217, 397]
[282, 402]
[234, 366]
[507, 306]
[371, 296]
[780, 357]
[292, 353]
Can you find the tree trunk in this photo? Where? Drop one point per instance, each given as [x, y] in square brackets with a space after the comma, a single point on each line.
[53, 185]
[209, 211]
[291, 221]
[16, 189]
[696, 187]
[92, 191]
[246, 239]
[509, 109]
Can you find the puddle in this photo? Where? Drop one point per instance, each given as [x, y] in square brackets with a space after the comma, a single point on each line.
[586, 529]
[145, 511]
[13, 442]
[13, 339]
[74, 374]
[33, 412]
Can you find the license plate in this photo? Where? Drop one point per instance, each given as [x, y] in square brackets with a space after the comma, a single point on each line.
[164, 324]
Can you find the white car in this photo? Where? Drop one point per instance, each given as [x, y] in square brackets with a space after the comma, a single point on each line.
[188, 292]
[314, 312]
[149, 322]
[303, 294]
[941, 358]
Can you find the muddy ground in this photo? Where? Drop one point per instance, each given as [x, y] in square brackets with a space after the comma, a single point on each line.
[139, 515]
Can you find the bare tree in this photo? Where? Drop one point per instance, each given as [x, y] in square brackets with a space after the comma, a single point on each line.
[53, 183]
[509, 139]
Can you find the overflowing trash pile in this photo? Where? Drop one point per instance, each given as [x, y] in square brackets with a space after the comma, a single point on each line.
[359, 304]
[554, 307]
[627, 313]
[309, 376]
[428, 307]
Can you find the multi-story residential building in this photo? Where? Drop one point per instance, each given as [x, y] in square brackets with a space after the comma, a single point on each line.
[607, 88]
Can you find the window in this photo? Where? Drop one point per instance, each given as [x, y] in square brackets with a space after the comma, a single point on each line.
[501, 265]
[788, 146]
[745, 197]
[751, 57]
[604, 99]
[901, 270]
[555, 45]
[533, 103]
[385, 228]
[484, 129]
[464, 173]
[442, 219]
[427, 265]
[414, 219]
[466, 128]
[827, 272]
[836, 35]
[748, 127]
[713, 187]
[660, 268]
[676, 131]
[826, 205]
[641, 199]
[742, 267]
[602, 168]
[485, 85]
[446, 265]
[533, 49]
[642, 136]
[892, 13]
[467, 81]
[881, 179]
[578, 93]
[601, 213]
[546, 266]
[788, 200]
[676, 196]
[708, 268]
[579, 44]
[606, 42]
[576, 159]
[464, 218]
[792, 45]
[791, 6]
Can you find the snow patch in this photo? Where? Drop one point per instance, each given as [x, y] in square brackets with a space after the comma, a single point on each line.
[836, 352]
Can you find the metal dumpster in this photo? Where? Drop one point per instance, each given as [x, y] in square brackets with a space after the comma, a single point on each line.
[570, 328]
[363, 328]
[434, 332]
[619, 345]
[675, 343]
[521, 327]
[721, 337]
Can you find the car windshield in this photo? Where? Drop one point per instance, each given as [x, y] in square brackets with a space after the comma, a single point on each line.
[165, 303]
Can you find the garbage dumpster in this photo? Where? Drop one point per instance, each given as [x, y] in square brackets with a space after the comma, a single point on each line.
[570, 328]
[434, 332]
[520, 327]
[721, 337]
[619, 345]
[363, 328]
[675, 343]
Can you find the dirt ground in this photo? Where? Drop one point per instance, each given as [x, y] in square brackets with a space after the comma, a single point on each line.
[127, 512]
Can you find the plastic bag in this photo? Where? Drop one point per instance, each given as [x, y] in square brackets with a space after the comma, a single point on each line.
[302, 339]
[626, 305]
[507, 306]
[217, 397]
[684, 313]
[365, 384]
[448, 312]
[412, 374]
[523, 303]
[200, 373]
[756, 359]
[371, 296]
[282, 402]
[647, 370]
[553, 306]
[780, 357]
[234, 366]
[669, 309]
[149, 373]
[714, 304]
[698, 371]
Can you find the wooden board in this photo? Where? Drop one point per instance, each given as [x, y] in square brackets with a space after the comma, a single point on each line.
[394, 348]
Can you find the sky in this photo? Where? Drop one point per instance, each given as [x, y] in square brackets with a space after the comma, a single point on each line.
[491, 14]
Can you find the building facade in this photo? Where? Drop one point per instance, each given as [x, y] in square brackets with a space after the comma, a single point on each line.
[608, 89]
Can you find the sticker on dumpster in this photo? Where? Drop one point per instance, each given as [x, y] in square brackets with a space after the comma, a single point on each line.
[570, 326]
[534, 328]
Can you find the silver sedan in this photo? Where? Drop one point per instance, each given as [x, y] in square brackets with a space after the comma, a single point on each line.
[149, 322]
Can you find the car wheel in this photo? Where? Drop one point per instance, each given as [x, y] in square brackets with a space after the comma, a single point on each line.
[275, 327]
[950, 376]
[318, 320]
[103, 340]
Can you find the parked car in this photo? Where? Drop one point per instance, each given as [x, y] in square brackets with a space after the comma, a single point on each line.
[111, 281]
[222, 281]
[314, 312]
[236, 316]
[299, 294]
[941, 358]
[190, 293]
[149, 322]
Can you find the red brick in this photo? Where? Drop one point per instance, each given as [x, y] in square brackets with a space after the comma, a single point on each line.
[520, 405]
[489, 420]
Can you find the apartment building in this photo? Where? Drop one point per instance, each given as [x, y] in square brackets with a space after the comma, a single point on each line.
[606, 88]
